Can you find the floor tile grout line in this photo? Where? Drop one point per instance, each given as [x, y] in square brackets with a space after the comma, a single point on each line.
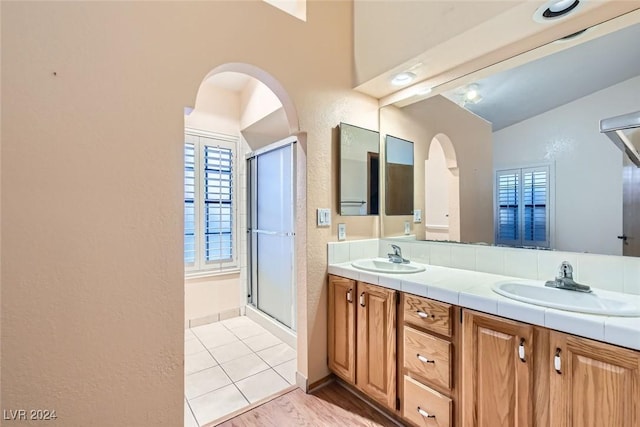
[193, 414]
[255, 351]
[281, 376]
[245, 397]
[210, 391]
[242, 340]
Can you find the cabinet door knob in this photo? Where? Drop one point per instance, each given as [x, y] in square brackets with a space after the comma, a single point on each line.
[422, 314]
[349, 298]
[425, 413]
[557, 362]
[362, 299]
[521, 352]
[424, 359]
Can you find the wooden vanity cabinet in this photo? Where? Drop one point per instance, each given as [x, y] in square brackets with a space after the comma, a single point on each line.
[428, 360]
[460, 368]
[362, 337]
[342, 328]
[593, 384]
[497, 372]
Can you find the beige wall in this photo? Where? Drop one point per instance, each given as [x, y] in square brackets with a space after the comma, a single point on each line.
[388, 33]
[92, 276]
[208, 296]
[219, 110]
[472, 139]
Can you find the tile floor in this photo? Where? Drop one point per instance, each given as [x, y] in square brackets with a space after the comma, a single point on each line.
[230, 364]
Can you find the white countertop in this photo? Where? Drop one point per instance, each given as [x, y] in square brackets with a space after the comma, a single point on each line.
[472, 289]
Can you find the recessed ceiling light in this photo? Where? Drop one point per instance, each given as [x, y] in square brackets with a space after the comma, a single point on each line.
[425, 91]
[554, 9]
[562, 6]
[402, 79]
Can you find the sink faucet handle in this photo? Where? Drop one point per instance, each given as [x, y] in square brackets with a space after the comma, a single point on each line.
[566, 270]
[396, 250]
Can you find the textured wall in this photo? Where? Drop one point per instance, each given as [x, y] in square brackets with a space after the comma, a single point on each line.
[92, 279]
[471, 138]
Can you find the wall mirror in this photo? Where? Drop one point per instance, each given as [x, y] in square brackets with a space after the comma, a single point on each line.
[359, 170]
[521, 157]
[399, 176]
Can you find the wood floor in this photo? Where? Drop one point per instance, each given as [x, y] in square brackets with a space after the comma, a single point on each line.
[331, 405]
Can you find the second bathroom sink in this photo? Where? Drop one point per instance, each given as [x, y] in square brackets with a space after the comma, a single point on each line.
[592, 303]
[381, 265]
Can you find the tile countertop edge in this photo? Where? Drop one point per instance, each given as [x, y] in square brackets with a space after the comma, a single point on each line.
[481, 298]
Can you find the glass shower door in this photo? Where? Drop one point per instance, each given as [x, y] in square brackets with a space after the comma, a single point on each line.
[271, 232]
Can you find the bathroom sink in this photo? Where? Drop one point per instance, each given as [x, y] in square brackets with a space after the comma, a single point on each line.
[592, 303]
[381, 265]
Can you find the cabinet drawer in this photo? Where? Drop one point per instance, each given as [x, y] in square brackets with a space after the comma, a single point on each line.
[424, 406]
[428, 314]
[428, 357]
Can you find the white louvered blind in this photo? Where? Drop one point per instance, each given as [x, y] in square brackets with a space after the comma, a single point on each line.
[522, 207]
[218, 163]
[209, 210]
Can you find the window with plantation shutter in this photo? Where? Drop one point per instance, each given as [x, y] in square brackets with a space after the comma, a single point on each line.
[522, 206]
[209, 202]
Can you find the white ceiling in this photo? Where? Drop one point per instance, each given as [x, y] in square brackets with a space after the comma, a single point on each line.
[530, 89]
[235, 82]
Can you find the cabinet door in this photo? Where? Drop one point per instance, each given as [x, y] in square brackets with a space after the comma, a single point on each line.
[593, 384]
[376, 365]
[497, 363]
[342, 338]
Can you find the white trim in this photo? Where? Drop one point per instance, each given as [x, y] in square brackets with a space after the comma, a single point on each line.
[202, 268]
[208, 134]
[274, 146]
[199, 274]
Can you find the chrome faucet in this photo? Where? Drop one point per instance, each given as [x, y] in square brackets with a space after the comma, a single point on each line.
[396, 256]
[564, 280]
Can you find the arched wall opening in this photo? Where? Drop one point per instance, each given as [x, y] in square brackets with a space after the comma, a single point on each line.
[442, 190]
[244, 102]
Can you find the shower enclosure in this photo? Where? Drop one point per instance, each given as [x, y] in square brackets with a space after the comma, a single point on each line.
[271, 230]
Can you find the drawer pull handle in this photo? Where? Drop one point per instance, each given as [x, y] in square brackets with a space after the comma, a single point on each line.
[424, 359]
[349, 297]
[521, 350]
[557, 362]
[422, 314]
[425, 413]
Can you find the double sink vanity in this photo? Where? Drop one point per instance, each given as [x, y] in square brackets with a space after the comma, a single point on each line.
[441, 346]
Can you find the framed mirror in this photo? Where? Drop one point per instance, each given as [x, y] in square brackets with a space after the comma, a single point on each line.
[359, 171]
[531, 166]
[398, 176]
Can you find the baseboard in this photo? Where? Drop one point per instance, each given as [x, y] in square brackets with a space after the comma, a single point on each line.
[315, 386]
[283, 333]
[213, 317]
[387, 413]
[302, 382]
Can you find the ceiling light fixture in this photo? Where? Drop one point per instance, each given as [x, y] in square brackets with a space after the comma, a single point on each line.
[472, 94]
[403, 78]
[555, 9]
[424, 91]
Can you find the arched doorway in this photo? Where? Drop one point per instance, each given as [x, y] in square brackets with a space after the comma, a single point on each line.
[240, 111]
[442, 191]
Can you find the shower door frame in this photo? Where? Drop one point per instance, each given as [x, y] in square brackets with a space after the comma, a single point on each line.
[253, 293]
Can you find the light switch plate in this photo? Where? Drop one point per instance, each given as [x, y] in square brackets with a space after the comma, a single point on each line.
[324, 217]
[407, 227]
[342, 231]
[417, 216]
